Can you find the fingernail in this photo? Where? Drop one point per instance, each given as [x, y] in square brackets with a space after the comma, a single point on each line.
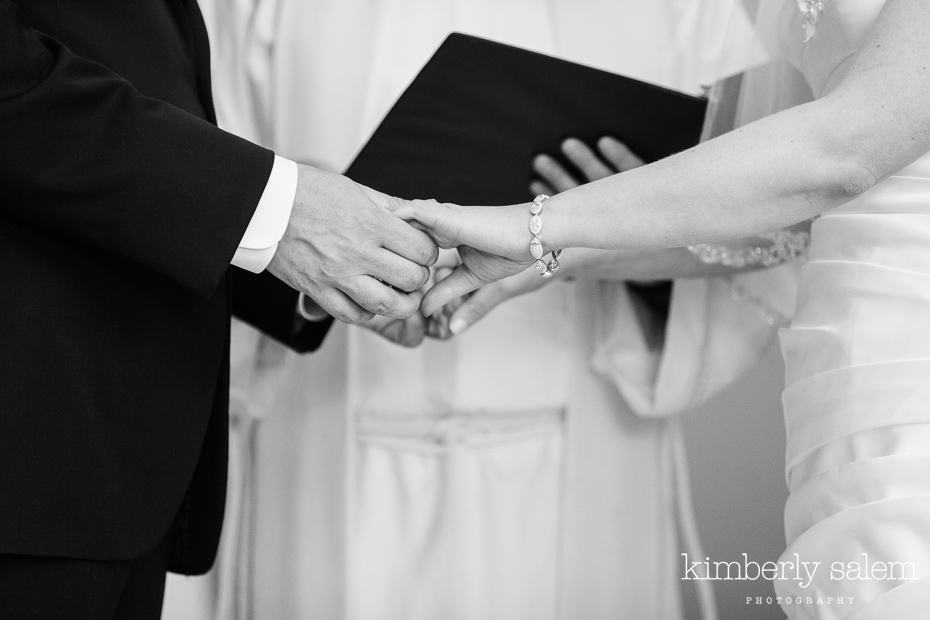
[457, 325]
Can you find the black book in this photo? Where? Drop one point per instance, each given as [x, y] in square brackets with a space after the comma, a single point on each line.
[468, 126]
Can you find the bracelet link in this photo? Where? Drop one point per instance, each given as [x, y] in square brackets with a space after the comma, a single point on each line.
[545, 269]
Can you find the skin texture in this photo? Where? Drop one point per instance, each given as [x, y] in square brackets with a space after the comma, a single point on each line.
[610, 157]
[871, 121]
[346, 250]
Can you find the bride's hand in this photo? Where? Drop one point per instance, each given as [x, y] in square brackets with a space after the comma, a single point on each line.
[495, 230]
[493, 243]
[612, 157]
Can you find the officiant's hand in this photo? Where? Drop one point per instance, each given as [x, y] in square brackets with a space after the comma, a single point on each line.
[346, 249]
[612, 157]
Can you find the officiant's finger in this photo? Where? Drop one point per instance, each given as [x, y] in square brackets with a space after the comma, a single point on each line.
[381, 300]
[587, 160]
[619, 154]
[538, 187]
[458, 283]
[410, 242]
[339, 306]
[398, 272]
[553, 173]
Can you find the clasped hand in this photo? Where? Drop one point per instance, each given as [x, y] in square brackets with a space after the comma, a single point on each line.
[371, 259]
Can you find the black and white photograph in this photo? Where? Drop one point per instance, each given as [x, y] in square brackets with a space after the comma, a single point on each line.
[464, 309]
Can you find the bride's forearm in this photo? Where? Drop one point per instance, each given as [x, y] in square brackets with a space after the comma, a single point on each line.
[777, 171]
[762, 177]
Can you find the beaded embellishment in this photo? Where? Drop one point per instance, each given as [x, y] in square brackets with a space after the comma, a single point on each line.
[811, 9]
[785, 246]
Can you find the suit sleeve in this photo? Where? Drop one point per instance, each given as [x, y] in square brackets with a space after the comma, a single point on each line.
[84, 156]
[269, 305]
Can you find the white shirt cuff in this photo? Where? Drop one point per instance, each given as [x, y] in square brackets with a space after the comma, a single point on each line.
[269, 222]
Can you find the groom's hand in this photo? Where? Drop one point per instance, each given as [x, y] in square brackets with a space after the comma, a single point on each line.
[492, 243]
[345, 248]
[408, 332]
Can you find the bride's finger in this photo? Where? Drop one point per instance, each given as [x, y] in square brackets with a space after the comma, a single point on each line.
[501, 231]
[553, 173]
[587, 161]
[460, 282]
[476, 307]
[436, 219]
[421, 212]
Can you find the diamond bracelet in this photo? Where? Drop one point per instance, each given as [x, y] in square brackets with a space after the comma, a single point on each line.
[543, 268]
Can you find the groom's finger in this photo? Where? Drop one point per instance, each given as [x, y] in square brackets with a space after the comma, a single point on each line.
[458, 283]
[400, 273]
[338, 305]
[380, 299]
[410, 242]
[590, 164]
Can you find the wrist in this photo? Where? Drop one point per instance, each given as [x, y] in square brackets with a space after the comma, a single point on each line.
[515, 242]
[557, 234]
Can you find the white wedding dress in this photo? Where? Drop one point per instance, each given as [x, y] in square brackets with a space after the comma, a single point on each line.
[857, 354]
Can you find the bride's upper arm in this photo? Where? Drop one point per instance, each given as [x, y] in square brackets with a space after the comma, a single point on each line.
[879, 102]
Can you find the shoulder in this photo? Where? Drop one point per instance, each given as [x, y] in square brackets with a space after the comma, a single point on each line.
[817, 36]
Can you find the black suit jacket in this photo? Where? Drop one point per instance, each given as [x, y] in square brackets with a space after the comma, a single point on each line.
[121, 206]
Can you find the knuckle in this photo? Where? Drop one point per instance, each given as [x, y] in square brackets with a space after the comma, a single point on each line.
[361, 316]
[342, 316]
[414, 279]
[387, 306]
[408, 306]
[353, 316]
[383, 308]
